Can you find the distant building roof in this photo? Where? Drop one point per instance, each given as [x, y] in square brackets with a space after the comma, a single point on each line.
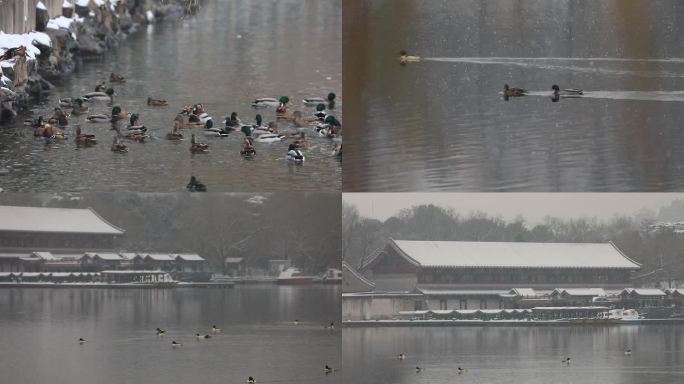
[128, 255]
[580, 291]
[233, 260]
[109, 256]
[461, 292]
[56, 220]
[643, 292]
[523, 292]
[467, 254]
[189, 257]
[159, 256]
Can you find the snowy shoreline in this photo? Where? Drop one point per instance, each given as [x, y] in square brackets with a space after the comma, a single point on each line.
[52, 54]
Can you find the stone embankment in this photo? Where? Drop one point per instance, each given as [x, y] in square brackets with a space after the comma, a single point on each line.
[84, 29]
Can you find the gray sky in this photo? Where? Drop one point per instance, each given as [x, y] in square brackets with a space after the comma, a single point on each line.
[532, 206]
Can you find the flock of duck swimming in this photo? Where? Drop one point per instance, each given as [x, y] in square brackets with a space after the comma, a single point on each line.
[557, 93]
[215, 331]
[460, 370]
[196, 116]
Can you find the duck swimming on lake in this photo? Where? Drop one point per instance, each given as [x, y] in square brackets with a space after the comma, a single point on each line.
[566, 361]
[81, 340]
[215, 330]
[569, 92]
[195, 186]
[161, 332]
[327, 369]
[513, 92]
[405, 58]
[100, 96]
[156, 102]
[401, 356]
[79, 108]
[175, 344]
[264, 102]
[296, 156]
[460, 370]
[247, 150]
[419, 369]
[101, 87]
[202, 337]
[628, 352]
[282, 107]
[84, 139]
[59, 117]
[251, 380]
[118, 146]
[115, 78]
[196, 147]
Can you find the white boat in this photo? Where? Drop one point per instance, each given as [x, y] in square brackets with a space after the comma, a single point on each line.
[293, 276]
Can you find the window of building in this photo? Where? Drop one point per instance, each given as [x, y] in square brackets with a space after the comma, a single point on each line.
[463, 304]
[442, 304]
[483, 304]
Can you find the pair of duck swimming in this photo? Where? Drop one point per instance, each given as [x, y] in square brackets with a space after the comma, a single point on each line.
[517, 92]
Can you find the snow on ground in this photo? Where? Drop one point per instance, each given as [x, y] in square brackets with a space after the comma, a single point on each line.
[82, 3]
[67, 4]
[42, 6]
[60, 22]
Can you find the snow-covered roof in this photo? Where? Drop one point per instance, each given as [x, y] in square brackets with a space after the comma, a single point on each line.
[189, 257]
[57, 220]
[580, 291]
[159, 256]
[644, 291]
[45, 255]
[128, 255]
[231, 260]
[461, 292]
[513, 254]
[110, 256]
[523, 292]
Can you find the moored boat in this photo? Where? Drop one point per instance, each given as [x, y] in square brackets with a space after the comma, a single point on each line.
[293, 276]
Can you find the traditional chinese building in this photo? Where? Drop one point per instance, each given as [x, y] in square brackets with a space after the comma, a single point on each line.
[407, 265]
[52, 229]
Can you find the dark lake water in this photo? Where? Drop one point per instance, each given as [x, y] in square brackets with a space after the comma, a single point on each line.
[514, 355]
[39, 329]
[441, 124]
[230, 54]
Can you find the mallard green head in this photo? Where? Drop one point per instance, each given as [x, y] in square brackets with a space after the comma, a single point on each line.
[109, 91]
[555, 88]
[258, 119]
[320, 107]
[79, 101]
[330, 119]
[246, 130]
[134, 118]
[233, 115]
[284, 99]
[402, 52]
[506, 87]
[116, 110]
[331, 96]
